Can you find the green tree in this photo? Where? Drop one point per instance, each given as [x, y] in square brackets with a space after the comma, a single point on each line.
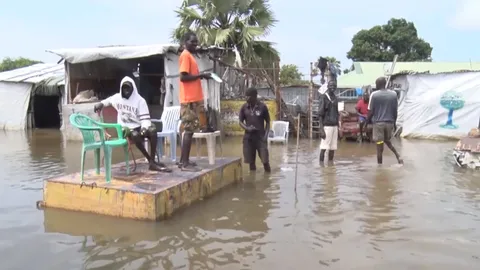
[11, 64]
[289, 75]
[382, 42]
[346, 71]
[232, 24]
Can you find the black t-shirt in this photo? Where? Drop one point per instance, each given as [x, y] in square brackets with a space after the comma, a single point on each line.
[328, 110]
[256, 116]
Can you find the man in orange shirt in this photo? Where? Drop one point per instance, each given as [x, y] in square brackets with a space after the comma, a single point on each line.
[192, 112]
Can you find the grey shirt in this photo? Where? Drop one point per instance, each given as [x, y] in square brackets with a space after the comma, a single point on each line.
[383, 106]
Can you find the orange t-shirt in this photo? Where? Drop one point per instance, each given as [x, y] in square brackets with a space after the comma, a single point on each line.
[190, 91]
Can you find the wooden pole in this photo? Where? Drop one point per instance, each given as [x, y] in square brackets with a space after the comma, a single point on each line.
[278, 95]
[298, 143]
[310, 102]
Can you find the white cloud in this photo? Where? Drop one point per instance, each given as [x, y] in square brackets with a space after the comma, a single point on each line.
[466, 15]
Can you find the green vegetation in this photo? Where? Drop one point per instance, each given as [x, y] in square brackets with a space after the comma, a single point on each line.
[382, 42]
[11, 64]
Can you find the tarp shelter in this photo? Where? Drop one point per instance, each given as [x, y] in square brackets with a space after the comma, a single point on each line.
[96, 60]
[17, 87]
[435, 106]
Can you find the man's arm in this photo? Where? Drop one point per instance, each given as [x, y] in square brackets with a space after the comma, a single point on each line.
[144, 115]
[371, 109]
[321, 111]
[241, 119]
[266, 117]
[357, 107]
[395, 111]
[185, 75]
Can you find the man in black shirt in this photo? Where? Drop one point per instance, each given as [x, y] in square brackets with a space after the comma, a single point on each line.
[328, 121]
[254, 118]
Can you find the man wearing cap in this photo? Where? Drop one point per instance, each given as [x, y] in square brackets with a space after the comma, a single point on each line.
[254, 118]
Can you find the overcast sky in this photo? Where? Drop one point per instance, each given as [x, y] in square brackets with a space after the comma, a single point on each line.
[28, 28]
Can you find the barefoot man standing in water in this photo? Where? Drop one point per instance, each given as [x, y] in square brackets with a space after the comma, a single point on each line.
[382, 112]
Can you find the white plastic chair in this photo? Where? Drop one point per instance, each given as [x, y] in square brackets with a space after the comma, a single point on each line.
[211, 143]
[279, 130]
[170, 122]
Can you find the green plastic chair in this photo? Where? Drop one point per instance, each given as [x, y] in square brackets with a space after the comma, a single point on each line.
[89, 127]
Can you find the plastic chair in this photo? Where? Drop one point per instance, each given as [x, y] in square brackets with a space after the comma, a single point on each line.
[210, 138]
[89, 128]
[130, 142]
[279, 132]
[170, 122]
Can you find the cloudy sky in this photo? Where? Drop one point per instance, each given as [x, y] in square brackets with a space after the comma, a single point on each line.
[304, 31]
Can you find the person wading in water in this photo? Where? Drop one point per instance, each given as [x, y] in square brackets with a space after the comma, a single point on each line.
[254, 118]
[382, 112]
[192, 106]
[328, 121]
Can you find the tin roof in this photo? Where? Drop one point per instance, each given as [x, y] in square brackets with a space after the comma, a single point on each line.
[36, 74]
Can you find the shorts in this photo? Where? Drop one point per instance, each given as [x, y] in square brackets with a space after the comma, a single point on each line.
[193, 116]
[362, 119]
[128, 132]
[252, 146]
[383, 131]
[331, 139]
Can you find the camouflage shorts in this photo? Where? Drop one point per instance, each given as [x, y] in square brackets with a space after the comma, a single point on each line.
[192, 115]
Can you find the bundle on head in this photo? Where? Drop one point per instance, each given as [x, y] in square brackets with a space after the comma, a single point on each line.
[322, 64]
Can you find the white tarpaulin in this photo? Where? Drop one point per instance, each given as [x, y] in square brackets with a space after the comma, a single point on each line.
[14, 101]
[211, 89]
[441, 105]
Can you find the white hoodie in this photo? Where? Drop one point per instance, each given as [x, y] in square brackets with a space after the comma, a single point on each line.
[132, 112]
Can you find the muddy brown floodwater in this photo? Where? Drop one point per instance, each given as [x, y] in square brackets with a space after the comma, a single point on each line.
[352, 215]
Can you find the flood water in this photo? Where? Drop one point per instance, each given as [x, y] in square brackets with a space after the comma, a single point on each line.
[353, 215]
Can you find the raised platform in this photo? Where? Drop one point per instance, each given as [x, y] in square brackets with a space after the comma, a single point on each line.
[143, 195]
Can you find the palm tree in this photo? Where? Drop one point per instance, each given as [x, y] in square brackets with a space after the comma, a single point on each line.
[231, 24]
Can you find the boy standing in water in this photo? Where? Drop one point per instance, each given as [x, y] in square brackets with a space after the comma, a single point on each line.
[329, 117]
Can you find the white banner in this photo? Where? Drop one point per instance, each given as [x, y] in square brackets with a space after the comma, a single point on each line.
[15, 98]
[441, 105]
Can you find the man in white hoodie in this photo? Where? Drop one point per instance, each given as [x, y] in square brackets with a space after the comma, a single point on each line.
[134, 116]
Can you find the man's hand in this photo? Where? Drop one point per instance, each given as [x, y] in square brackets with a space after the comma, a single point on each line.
[206, 76]
[98, 107]
[251, 128]
[322, 134]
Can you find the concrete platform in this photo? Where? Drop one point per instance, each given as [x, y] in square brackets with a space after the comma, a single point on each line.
[142, 195]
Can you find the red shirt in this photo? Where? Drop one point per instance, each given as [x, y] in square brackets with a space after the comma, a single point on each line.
[362, 107]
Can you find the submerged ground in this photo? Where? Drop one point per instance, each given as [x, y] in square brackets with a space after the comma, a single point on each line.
[352, 215]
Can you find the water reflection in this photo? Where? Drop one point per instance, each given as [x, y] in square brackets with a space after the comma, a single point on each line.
[380, 212]
[352, 215]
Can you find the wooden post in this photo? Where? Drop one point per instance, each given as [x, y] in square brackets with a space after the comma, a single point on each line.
[310, 103]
